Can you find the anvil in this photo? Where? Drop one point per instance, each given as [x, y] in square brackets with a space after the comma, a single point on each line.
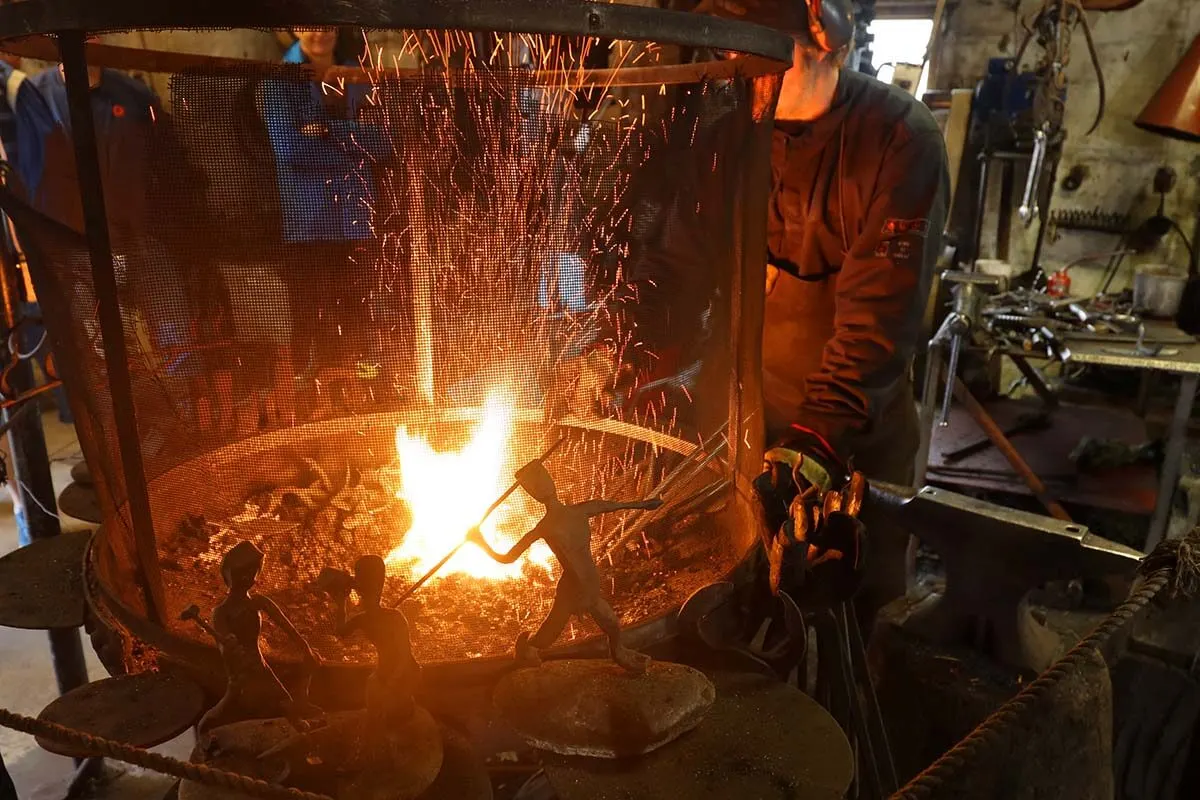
[993, 556]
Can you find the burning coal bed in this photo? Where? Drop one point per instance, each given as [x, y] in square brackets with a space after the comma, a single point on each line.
[310, 502]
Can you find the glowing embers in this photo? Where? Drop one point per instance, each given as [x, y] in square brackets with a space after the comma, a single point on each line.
[448, 491]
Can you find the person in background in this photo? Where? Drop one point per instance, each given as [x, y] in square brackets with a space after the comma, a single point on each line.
[323, 163]
[857, 207]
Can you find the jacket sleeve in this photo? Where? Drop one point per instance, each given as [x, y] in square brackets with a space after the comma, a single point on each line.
[34, 122]
[881, 294]
[343, 145]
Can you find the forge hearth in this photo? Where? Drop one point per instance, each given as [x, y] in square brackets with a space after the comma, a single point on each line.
[278, 500]
[504, 252]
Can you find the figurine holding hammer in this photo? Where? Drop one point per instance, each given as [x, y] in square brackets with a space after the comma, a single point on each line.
[566, 528]
[253, 690]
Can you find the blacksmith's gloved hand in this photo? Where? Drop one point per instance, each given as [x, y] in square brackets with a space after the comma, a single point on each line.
[803, 460]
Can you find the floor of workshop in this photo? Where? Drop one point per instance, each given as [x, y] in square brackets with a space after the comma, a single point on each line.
[27, 681]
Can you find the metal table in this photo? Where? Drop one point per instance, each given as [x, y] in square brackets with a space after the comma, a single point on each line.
[1186, 364]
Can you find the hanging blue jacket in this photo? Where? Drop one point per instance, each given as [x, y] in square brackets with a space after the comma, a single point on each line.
[326, 181]
[25, 122]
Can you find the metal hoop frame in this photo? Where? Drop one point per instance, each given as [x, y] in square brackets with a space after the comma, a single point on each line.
[567, 17]
[71, 21]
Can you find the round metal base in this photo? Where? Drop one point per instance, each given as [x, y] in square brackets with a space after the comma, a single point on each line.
[41, 585]
[761, 739]
[79, 500]
[142, 710]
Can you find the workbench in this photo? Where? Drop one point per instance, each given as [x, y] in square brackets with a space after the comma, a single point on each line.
[1181, 359]
[1180, 356]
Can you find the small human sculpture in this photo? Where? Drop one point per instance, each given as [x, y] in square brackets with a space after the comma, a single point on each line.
[390, 687]
[252, 691]
[566, 529]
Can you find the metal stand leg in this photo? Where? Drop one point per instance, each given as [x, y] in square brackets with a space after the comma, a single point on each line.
[8, 791]
[37, 517]
[1173, 460]
[1036, 382]
[933, 369]
[85, 776]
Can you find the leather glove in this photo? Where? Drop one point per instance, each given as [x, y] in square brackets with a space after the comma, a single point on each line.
[818, 554]
[795, 464]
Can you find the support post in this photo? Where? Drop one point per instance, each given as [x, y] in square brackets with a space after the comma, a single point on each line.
[91, 191]
[1172, 459]
[32, 482]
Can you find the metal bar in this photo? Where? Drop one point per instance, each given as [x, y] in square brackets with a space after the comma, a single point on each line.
[112, 329]
[1036, 381]
[933, 370]
[980, 206]
[1172, 460]
[32, 477]
[984, 420]
[23, 397]
[565, 17]
[874, 716]
[137, 59]
[1004, 221]
[499, 500]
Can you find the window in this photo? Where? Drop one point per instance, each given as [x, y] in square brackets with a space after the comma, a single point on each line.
[900, 41]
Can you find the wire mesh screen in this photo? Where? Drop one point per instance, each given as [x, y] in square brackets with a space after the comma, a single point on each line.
[352, 311]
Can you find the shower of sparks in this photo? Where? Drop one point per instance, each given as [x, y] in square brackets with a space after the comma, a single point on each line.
[494, 181]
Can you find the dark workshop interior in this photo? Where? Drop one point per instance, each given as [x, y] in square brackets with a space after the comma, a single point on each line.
[600, 399]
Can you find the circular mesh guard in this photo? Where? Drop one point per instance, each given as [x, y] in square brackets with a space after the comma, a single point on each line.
[353, 311]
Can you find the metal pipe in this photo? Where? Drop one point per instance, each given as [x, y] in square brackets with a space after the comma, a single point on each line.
[112, 329]
[933, 369]
[984, 420]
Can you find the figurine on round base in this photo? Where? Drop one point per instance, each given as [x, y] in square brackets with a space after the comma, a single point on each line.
[566, 529]
[591, 707]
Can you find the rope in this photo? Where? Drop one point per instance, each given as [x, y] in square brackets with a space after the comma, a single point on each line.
[252, 787]
[1173, 562]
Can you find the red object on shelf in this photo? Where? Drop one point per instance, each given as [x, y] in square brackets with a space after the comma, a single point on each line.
[1058, 284]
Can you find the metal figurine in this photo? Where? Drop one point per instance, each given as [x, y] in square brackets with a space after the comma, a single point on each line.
[566, 529]
[253, 691]
[390, 687]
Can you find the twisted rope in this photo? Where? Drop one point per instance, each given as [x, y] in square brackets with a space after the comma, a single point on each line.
[1174, 562]
[118, 751]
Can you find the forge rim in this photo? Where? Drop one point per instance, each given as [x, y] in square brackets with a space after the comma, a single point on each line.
[111, 612]
[199, 660]
[566, 17]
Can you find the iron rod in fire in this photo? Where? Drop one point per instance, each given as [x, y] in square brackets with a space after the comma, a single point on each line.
[434, 569]
[687, 470]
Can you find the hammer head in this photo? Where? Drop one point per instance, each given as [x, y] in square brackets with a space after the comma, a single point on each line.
[335, 582]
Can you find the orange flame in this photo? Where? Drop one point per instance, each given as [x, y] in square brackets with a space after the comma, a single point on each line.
[448, 492]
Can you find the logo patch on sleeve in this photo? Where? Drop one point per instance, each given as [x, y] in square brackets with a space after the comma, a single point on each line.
[901, 227]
